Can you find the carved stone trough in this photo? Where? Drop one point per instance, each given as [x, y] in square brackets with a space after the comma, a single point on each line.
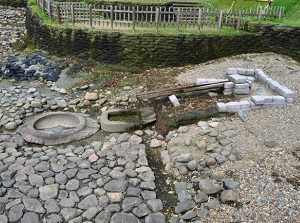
[142, 116]
[58, 127]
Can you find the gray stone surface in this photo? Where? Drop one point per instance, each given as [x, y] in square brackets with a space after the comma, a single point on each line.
[184, 206]
[123, 217]
[30, 217]
[48, 192]
[209, 186]
[155, 217]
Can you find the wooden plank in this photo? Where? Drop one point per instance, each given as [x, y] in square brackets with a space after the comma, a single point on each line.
[133, 18]
[157, 11]
[167, 92]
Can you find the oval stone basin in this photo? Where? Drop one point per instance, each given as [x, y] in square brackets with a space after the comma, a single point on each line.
[58, 127]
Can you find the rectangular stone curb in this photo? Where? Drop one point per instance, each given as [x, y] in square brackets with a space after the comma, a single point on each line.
[201, 81]
[222, 107]
[237, 79]
[233, 106]
[231, 71]
[258, 100]
[284, 91]
[249, 78]
[241, 91]
[242, 71]
[241, 86]
[227, 92]
[250, 72]
[290, 100]
[273, 85]
[245, 105]
[228, 85]
[278, 98]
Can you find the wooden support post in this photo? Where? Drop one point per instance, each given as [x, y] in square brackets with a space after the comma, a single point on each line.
[91, 15]
[111, 17]
[156, 18]
[72, 14]
[238, 26]
[43, 6]
[259, 16]
[220, 20]
[279, 15]
[178, 19]
[133, 18]
[199, 19]
[50, 9]
[58, 13]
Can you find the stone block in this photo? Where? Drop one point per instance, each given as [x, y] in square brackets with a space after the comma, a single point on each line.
[173, 99]
[250, 72]
[278, 98]
[237, 79]
[250, 78]
[268, 99]
[258, 100]
[284, 91]
[250, 83]
[244, 105]
[241, 91]
[290, 100]
[222, 107]
[241, 86]
[254, 106]
[228, 85]
[228, 92]
[274, 105]
[242, 71]
[233, 106]
[231, 71]
[273, 85]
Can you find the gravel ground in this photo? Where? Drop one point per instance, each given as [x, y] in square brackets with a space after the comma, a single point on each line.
[269, 177]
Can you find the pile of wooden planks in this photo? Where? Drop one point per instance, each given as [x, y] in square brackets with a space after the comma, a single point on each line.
[180, 90]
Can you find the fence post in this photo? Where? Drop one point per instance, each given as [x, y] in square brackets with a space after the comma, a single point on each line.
[279, 15]
[58, 13]
[238, 26]
[72, 14]
[156, 18]
[133, 18]
[259, 16]
[220, 20]
[50, 9]
[111, 17]
[43, 6]
[91, 16]
[178, 19]
[199, 19]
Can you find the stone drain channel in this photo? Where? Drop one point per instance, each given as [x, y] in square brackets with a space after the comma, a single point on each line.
[108, 177]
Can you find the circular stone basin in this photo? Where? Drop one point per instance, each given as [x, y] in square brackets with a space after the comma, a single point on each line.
[58, 127]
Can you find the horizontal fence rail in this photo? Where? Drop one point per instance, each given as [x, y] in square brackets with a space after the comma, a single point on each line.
[130, 17]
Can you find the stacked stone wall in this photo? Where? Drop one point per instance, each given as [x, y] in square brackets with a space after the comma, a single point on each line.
[14, 3]
[161, 50]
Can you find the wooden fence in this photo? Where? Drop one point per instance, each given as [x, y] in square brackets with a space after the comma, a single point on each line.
[130, 17]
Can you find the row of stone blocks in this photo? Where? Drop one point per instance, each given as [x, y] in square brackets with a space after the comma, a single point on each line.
[240, 76]
[256, 102]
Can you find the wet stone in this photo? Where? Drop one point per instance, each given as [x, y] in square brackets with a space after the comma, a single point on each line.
[123, 217]
[30, 217]
[48, 192]
[103, 217]
[34, 205]
[87, 202]
[155, 217]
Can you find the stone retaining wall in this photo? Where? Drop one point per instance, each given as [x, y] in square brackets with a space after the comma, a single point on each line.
[158, 49]
[14, 3]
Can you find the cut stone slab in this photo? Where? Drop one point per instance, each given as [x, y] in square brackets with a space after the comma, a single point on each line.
[237, 79]
[146, 114]
[58, 127]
